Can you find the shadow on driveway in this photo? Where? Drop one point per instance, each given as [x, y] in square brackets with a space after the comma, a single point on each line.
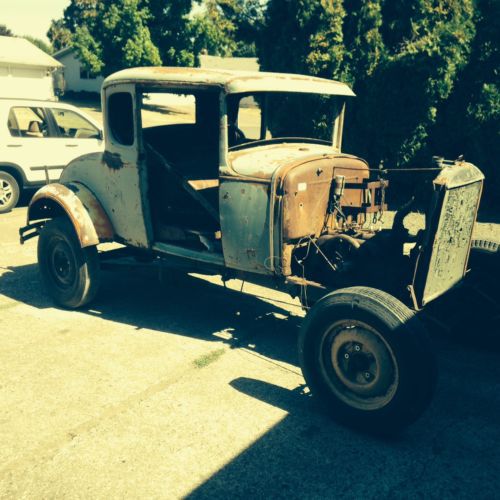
[190, 306]
[452, 451]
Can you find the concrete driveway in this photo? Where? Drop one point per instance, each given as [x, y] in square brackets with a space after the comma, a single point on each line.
[191, 389]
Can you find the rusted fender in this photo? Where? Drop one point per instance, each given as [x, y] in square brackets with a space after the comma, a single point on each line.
[91, 223]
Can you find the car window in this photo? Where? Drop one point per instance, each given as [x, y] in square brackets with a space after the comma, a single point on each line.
[250, 118]
[28, 122]
[121, 118]
[12, 124]
[184, 128]
[167, 108]
[282, 112]
[73, 125]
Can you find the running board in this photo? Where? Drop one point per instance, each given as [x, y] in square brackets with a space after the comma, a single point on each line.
[204, 257]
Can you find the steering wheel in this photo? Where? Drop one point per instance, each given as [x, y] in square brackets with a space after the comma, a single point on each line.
[235, 136]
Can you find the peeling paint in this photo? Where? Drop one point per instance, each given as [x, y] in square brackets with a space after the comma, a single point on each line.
[112, 160]
[233, 82]
[91, 223]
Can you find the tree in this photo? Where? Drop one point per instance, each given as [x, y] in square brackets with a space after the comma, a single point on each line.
[168, 24]
[4, 31]
[162, 27]
[365, 52]
[247, 19]
[427, 44]
[40, 44]
[227, 27]
[80, 13]
[59, 35]
[469, 121]
[117, 38]
[77, 14]
[403, 59]
[303, 36]
[365, 48]
[213, 32]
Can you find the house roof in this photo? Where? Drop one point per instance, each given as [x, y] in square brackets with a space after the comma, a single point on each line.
[63, 52]
[21, 52]
[232, 82]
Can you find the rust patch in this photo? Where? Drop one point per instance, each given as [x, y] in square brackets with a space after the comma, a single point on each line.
[112, 160]
[100, 220]
[85, 212]
[286, 260]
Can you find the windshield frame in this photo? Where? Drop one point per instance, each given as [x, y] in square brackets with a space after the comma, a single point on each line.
[337, 121]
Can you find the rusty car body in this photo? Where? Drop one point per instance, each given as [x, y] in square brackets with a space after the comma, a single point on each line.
[272, 204]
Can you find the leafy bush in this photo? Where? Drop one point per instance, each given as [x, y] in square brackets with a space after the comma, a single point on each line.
[425, 72]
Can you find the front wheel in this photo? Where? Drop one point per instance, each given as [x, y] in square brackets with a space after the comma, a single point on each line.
[9, 192]
[70, 274]
[365, 357]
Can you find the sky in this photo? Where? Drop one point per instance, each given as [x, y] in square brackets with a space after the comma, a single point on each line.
[31, 17]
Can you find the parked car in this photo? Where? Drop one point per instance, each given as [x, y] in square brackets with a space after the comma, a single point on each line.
[37, 140]
[244, 188]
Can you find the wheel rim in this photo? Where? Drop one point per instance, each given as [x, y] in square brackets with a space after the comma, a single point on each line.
[6, 192]
[62, 264]
[359, 365]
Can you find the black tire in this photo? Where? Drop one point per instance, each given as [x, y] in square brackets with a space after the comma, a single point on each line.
[9, 192]
[366, 359]
[70, 274]
[484, 265]
[471, 310]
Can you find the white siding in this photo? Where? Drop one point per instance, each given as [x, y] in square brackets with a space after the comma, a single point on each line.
[26, 82]
[72, 79]
[236, 63]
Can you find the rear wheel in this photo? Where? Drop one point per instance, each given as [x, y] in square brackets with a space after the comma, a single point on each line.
[9, 192]
[365, 357]
[70, 274]
[484, 264]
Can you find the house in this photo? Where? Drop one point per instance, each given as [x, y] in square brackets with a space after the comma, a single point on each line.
[232, 63]
[25, 70]
[76, 78]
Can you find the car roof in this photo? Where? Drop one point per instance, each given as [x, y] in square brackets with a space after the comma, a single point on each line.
[21, 101]
[231, 82]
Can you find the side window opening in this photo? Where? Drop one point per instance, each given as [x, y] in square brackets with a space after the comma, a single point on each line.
[28, 122]
[121, 118]
[184, 128]
[72, 125]
[180, 133]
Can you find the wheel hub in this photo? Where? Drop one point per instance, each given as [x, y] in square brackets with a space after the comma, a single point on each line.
[360, 365]
[63, 269]
[5, 192]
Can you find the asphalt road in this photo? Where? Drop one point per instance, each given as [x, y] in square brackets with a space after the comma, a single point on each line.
[191, 389]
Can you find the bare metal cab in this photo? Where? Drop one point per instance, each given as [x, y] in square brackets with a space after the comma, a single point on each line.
[218, 172]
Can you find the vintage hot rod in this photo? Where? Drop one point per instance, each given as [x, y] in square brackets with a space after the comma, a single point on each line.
[239, 184]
